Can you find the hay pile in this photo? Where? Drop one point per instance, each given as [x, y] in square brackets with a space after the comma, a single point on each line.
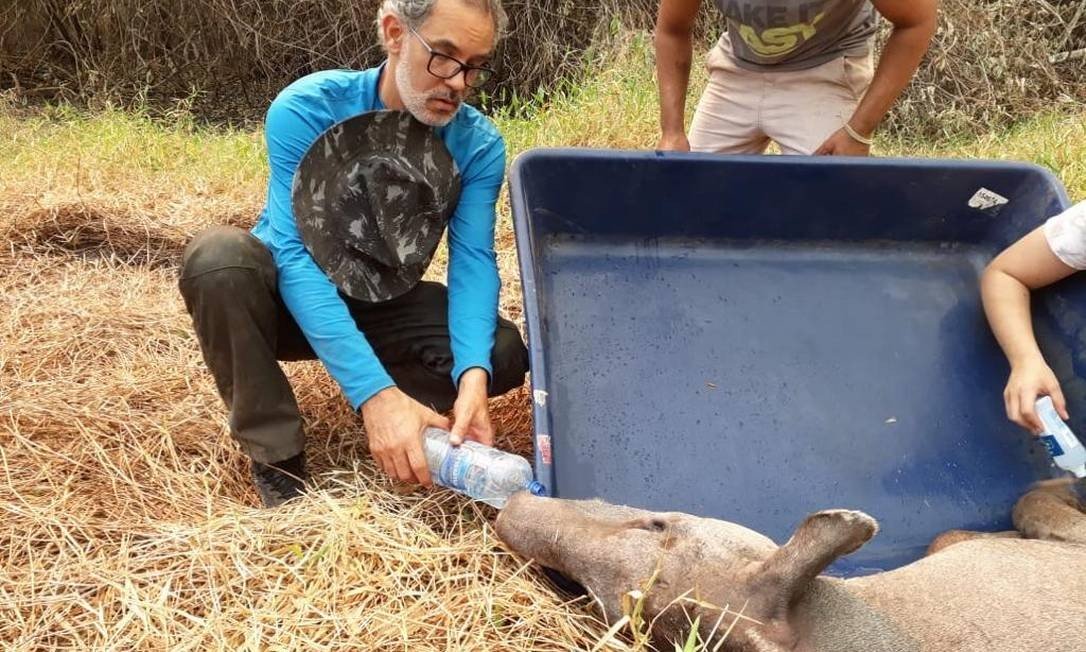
[128, 519]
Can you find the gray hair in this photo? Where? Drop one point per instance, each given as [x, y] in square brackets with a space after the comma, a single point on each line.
[415, 13]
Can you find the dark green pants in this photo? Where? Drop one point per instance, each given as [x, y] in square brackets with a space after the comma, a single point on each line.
[228, 281]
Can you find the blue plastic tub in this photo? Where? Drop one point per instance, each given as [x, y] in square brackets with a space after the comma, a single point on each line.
[756, 338]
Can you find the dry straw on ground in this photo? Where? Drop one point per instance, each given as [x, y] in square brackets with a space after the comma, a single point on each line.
[129, 521]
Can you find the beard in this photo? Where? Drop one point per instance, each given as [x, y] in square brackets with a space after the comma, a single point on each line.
[415, 101]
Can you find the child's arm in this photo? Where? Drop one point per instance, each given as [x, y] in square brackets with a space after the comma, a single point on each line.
[1026, 265]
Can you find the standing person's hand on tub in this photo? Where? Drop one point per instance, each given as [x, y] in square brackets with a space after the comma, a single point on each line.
[1049, 253]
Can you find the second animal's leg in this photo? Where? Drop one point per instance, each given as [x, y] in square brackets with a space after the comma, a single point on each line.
[1053, 511]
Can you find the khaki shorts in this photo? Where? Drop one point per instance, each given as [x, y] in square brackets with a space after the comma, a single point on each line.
[742, 110]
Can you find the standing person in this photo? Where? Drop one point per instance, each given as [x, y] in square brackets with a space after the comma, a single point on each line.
[367, 170]
[796, 72]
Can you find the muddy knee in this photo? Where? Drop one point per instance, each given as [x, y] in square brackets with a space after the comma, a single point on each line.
[224, 251]
[228, 284]
[224, 247]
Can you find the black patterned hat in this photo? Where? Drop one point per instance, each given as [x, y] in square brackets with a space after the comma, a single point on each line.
[372, 197]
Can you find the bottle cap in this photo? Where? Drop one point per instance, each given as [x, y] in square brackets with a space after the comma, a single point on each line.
[536, 488]
[1079, 471]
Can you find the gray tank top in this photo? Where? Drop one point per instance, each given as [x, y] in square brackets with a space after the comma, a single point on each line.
[796, 34]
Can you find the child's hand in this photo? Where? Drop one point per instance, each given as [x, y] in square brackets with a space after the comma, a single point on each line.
[1029, 380]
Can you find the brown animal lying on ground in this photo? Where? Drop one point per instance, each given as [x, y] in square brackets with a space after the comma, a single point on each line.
[978, 592]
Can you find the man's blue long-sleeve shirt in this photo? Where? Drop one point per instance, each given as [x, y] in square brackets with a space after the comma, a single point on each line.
[297, 117]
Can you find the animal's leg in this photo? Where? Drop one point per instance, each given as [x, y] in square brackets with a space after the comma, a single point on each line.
[950, 537]
[1051, 510]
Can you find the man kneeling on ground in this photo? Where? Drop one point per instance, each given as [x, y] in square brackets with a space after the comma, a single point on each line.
[367, 170]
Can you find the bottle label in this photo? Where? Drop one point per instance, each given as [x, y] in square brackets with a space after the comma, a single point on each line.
[1053, 446]
[458, 471]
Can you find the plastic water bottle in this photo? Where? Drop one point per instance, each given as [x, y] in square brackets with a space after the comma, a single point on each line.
[480, 472]
[1065, 448]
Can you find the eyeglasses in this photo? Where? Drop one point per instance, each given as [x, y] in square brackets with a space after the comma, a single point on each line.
[443, 66]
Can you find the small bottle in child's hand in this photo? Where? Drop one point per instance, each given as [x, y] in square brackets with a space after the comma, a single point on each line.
[1066, 450]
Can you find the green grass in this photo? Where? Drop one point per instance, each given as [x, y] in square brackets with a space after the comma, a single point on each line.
[117, 151]
[62, 149]
[1055, 141]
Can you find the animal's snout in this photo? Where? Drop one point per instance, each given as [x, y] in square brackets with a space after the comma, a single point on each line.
[519, 500]
[515, 507]
[515, 521]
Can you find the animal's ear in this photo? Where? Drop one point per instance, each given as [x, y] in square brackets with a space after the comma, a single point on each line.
[816, 543]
